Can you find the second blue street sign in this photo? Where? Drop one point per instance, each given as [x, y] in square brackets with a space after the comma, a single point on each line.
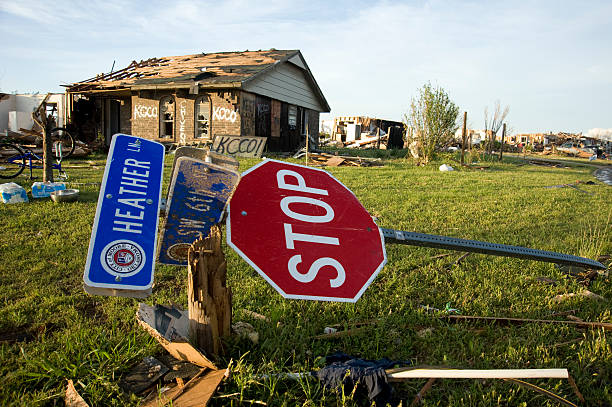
[199, 192]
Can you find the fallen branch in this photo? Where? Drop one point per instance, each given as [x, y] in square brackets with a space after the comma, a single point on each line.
[543, 392]
[592, 325]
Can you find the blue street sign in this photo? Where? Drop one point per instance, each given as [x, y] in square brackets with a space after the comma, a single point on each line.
[121, 256]
[199, 192]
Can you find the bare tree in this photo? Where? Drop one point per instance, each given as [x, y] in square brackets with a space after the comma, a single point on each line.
[493, 123]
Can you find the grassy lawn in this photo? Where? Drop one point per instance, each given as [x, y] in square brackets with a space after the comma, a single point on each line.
[52, 330]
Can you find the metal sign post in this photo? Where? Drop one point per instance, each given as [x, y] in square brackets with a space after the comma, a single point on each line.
[495, 249]
[121, 256]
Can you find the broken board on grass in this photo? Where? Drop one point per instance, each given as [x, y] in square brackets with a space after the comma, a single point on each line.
[73, 398]
[143, 375]
[121, 255]
[170, 327]
[195, 393]
[198, 194]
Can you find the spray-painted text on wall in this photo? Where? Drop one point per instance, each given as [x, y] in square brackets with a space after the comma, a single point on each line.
[223, 113]
[182, 111]
[239, 145]
[143, 111]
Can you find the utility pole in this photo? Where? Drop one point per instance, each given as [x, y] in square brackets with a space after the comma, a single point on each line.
[501, 150]
[307, 145]
[463, 137]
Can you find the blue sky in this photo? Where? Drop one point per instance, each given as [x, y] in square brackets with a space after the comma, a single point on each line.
[550, 61]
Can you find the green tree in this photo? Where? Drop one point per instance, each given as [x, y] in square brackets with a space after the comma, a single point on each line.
[431, 122]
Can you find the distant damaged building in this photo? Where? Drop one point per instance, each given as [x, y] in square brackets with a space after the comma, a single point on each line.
[193, 98]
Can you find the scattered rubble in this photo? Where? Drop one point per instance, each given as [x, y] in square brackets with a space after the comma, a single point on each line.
[338, 160]
[196, 392]
[246, 330]
[143, 375]
[585, 293]
[573, 185]
[33, 140]
[170, 327]
[547, 163]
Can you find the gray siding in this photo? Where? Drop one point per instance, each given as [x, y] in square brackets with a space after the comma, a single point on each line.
[287, 83]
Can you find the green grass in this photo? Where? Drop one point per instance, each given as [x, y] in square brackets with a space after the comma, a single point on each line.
[95, 340]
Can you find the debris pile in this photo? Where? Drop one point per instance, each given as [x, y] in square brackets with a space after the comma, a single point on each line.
[194, 375]
[330, 160]
[33, 140]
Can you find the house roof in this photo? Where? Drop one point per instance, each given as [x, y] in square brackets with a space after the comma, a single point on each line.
[213, 70]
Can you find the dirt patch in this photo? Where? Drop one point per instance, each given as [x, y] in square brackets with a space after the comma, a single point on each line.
[90, 308]
[25, 333]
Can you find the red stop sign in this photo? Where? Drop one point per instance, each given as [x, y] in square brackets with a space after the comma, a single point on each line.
[304, 232]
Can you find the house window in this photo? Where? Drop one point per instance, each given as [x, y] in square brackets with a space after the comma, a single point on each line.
[292, 117]
[523, 139]
[202, 117]
[166, 117]
[303, 120]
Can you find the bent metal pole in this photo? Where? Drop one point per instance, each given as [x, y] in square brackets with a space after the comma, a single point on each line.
[475, 246]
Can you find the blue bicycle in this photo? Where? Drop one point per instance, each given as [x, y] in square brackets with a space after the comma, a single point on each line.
[14, 158]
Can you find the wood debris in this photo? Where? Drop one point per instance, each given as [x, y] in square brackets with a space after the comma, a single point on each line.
[337, 160]
[33, 140]
[171, 331]
[547, 163]
[584, 293]
[73, 398]
[196, 392]
[143, 375]
[369, 142]
[256, 315]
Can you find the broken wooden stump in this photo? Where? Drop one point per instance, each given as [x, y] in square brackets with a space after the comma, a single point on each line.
[209, 298]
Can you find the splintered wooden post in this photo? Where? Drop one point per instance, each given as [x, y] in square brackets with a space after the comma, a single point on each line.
[47, 151]
[209, 298]
[39, 115]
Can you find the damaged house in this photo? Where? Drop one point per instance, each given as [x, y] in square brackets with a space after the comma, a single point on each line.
[191, 99]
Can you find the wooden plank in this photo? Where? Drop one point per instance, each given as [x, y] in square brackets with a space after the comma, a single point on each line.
[195, 393]
[418, 373]
[334, 161]
[73, 398]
